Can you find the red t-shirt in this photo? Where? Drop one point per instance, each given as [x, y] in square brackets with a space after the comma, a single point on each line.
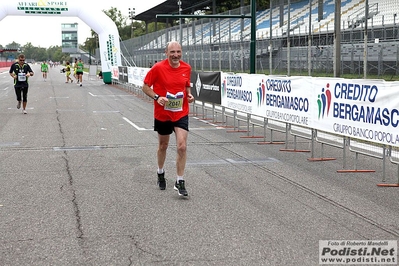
[171, 83]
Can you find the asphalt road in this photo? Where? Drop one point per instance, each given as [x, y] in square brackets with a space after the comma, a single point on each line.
[78, 187]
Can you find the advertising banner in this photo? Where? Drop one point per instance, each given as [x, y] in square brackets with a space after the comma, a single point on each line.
[115, 73]
[206, 86]
[288, 99]
[122, 74]
[243, 92]
[136, 75]
[364, 109]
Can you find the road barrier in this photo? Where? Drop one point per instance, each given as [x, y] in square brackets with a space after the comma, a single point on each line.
[324, 111]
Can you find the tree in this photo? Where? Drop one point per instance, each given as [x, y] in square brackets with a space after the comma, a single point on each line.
[36, 53]
[160, 26]
[115, 15]
[55, 54]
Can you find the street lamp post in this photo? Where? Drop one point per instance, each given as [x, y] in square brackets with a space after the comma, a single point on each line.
[132, 15]
[179, 3]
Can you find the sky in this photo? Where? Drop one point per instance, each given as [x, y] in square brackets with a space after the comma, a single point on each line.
[46, 31]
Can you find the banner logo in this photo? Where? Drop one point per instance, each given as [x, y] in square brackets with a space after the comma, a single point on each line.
[198, 85]
[261, 92]
[224, 86]
[324, 102]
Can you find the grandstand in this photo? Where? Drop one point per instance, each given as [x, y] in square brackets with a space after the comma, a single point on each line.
[223, 44]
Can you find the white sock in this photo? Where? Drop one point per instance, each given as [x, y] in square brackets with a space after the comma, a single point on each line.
[160, 170]
[179, 178]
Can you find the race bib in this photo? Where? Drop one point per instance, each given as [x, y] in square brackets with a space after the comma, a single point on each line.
[21, 77]
[175, 102]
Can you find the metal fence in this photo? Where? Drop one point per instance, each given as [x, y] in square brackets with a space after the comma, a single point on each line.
[265, 131]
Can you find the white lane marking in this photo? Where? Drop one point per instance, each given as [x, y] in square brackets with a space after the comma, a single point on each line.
[204, 121]
[110, 95]
[134, 125]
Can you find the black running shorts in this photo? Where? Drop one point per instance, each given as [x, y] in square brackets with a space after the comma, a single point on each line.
[167, 127]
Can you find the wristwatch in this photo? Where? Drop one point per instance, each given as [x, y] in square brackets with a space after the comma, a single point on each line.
[156, 96]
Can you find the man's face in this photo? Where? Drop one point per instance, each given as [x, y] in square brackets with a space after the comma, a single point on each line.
[174, 54]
